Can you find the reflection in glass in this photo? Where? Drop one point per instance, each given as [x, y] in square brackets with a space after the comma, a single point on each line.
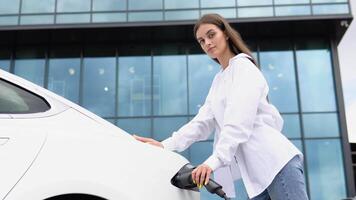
[281, 2]
[298, 144]
[325, 166]
[278, 68]
[73, 6]
[137, 126]
[174, 4]
[63, 77]
[72, 18]
[291, 126]
[37, 6]
[182, 15]
[201, 72]
[200, 151]
[145, 5]
[321, 125]
[316, 80]
[292, 10]
[164, 127]
[99, 85]
[5, 55]
[330, 9]
[170, 85]
[254, 2]
[11, 20]
[109, 5]
[328, 1]
[145, 16]
[109, 17]
[9, 7]
[31, 69]
[5, 65]
[135, 86]
[255, 12]
[217, 3]
[37, 19]
[226, 13]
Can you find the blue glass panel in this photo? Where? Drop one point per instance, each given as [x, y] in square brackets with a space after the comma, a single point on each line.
[278, 68]
[9, 7]
[109, 5]
[325, 169]
[5, 65]
[328, 1]
[109, 17]
[73, 6]
[31, 69]
[169, 85]
[291, 127]
[145, 5]
[255, 12]
[37, 6]
[72, 18]
[135, 91]
[330, 9]
[321, 125]
[254, 2]
[226, 13]
[99, 85]
[37, 19]
[182, 15]
[174, 4]
[316, 80]
[138, 126]
[145, 16]
[164, 127]
[217, 3]
[281, 2]
[63, 77]
[202, 70]
[292, 10]
[11, 20]
[113, 121]
[200, 151]
[298, 144]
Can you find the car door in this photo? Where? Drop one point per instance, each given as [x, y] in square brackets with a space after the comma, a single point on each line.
[21, 139]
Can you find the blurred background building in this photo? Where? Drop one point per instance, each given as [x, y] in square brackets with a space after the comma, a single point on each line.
[136, 63]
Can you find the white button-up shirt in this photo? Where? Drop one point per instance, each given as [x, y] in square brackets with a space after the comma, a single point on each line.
[248, 143]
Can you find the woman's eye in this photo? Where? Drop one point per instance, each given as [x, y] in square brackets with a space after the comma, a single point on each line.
[211, 35]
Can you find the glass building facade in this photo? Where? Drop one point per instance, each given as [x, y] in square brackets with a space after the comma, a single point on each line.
[150, 81]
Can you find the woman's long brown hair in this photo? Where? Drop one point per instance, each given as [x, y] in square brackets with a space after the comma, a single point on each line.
[236, 44]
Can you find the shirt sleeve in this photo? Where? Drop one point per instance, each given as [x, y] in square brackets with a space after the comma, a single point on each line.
[245, 90]
[199, 128]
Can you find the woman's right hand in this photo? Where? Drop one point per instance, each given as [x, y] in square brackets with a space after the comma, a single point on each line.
[148, 141]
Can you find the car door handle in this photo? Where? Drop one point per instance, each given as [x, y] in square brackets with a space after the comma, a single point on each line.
[3, 140]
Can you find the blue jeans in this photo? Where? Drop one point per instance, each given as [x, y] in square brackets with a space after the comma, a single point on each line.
[289, 183]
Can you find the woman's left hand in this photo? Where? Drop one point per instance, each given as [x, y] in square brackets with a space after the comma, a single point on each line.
[201, 175]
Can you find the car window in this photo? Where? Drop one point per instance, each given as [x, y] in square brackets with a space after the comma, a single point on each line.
[16, 100]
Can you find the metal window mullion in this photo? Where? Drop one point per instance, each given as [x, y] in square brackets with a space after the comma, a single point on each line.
[116, 114]
[81, 77]
[20, 11]
[300, 114]
[152, 96]
[347, 156]
[91, 11]
[46, 72]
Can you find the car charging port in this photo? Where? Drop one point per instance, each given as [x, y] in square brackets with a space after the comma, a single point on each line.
[183, 179]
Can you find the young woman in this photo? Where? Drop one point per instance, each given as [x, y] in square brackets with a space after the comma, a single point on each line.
[248, 143]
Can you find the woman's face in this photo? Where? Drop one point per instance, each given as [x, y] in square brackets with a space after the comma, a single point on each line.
[212, 40]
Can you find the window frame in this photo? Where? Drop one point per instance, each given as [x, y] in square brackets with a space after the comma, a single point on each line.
[10, 114]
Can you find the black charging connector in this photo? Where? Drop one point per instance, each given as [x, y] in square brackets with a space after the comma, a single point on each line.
[183, 179]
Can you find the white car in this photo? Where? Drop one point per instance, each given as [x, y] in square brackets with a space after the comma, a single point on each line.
[51, 148]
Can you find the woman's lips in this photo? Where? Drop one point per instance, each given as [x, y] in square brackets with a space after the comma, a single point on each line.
[210, 49]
